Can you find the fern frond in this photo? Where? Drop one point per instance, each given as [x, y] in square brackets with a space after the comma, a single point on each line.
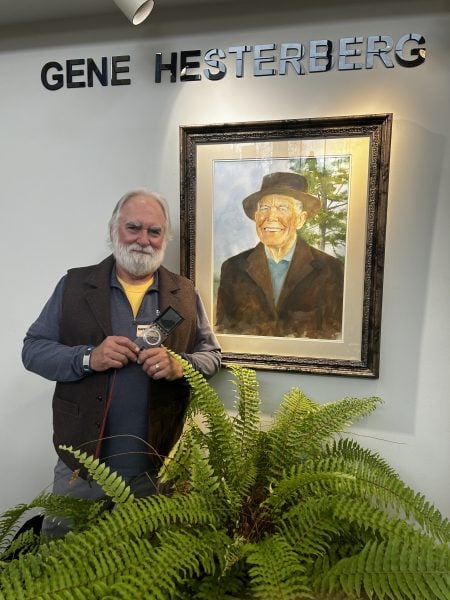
[284, 434]
[296, 402]
[190, 471]
[361, 476]
[112, 484]
[366, 516]
[219, 438]
[231, 585]
[301, 428]
[177, 466]
[146, 515]
[276, 571]
[229, 443]
[302, 483]
[376, 480]
[189, 468]
[10, 518]
[79, 511]
[109, 552]
[318, 524]
[66, 571]
[246, 429]
[24, 543]
[309, 527]
[351, 451]
[397, 569]
[177, 557]
[246, 424]
[335, 417]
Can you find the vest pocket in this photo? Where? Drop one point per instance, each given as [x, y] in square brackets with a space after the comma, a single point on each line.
[64, 406]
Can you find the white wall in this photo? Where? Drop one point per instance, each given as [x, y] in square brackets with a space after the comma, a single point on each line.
[67, 156]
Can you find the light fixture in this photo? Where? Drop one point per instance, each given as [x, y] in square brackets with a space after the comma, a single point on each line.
[135, 10]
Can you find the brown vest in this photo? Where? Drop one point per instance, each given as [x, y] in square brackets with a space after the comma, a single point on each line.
[79, 406]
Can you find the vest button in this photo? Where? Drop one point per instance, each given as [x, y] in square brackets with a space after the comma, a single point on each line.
[100, 398]
[97, 425]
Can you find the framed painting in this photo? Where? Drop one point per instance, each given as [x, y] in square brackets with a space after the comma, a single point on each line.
[283, 231]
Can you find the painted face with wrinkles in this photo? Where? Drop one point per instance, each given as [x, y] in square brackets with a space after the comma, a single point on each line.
[277, 219]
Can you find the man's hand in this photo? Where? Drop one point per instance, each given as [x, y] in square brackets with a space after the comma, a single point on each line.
[159, 364]
[113, 353]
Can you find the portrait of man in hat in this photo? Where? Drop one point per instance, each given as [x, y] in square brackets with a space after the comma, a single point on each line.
[283, 287]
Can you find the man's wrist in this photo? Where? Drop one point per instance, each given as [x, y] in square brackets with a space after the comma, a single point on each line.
[86, 364]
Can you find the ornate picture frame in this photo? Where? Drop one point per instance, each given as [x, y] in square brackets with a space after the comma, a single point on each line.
[343, 162]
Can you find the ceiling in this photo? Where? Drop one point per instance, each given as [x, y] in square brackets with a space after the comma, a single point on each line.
[26, 12]
[15, 12]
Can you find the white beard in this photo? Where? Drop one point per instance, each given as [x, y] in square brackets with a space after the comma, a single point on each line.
[137, 260]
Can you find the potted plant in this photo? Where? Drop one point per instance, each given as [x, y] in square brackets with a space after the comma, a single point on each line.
[293, 511]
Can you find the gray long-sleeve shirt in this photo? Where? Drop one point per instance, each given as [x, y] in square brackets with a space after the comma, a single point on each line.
[44, 354]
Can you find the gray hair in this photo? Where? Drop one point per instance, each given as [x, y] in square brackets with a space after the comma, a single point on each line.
[113, 222]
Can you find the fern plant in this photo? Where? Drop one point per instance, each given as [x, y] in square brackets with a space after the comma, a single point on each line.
[295, 511]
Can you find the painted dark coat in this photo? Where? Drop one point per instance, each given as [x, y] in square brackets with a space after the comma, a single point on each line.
[310, 302]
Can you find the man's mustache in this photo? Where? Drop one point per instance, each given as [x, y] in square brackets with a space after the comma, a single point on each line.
[144, 249]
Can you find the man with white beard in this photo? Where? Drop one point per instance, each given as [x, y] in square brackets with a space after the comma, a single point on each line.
[114, 397]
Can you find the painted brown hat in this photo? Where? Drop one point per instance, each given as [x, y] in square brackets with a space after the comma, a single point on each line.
[284, 183]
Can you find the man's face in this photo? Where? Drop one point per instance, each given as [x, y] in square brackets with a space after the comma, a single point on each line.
[277, 219]
[139, 238]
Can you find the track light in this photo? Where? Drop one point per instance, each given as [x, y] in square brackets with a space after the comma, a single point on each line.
[135, 10]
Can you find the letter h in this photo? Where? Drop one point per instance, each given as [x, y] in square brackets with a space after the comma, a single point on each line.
[172, 67]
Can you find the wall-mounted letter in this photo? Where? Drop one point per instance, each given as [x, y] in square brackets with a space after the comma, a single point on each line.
[216, 64]
[379, 45]
[160, 66]
[239, 51]
[419, 53]
[286, 58]
[57, 78]
[116, 69]
[259, 59]
[345, 51]
[185, 65]
[72, 72]
[102, 75]
[315, 55]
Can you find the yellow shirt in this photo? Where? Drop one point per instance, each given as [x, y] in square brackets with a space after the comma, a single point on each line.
[135, 293]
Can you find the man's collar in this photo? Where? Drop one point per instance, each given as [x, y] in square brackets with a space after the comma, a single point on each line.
[115, 283]
[287, 257]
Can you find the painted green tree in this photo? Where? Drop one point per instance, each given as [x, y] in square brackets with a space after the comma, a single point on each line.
[328, 179]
